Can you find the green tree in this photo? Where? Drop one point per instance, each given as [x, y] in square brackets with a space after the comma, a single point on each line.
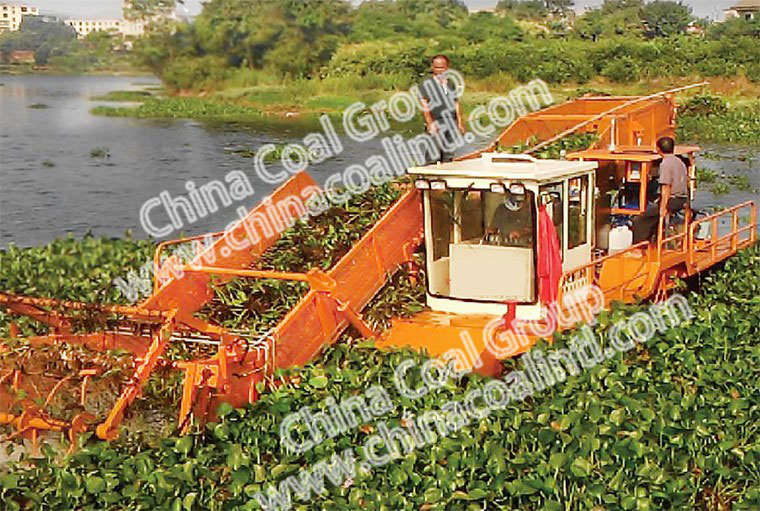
[147, 9]
[46, 39]
[613, 18]
[293, 37]
[664, 18]
[100, 43]
[559, 6]
[523, 9]
[735, 27]
[482, 26]
[396, 19]
[613, 6]
[378, 19]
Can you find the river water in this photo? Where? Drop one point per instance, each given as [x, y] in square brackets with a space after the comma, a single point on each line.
[54, 180]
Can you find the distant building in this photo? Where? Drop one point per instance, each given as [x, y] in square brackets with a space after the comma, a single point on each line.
[695, 29]
[11, 16]
[746, 9]
[127, 28]
[132, 28]
[85, 27]
[22, 57]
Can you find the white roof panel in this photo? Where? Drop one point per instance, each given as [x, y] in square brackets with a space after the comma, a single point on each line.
[505, 166]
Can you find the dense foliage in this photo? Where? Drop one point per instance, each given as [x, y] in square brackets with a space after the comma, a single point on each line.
[318, 242]
[55, 44]
[71, 269]
[710, 118]
[250, 42]
[45, 39]
[669, 425]
[244, 42]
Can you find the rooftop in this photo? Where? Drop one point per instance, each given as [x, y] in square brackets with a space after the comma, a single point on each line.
[746, 5]
[505, 166]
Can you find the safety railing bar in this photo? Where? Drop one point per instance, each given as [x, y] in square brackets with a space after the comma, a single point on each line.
[262, 274]
[726, 237]
[747, 204]
[126, 310]
[161, 246]
[583, 266]
[740, 229]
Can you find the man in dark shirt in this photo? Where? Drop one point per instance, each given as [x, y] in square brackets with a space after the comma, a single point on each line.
[674, 192]
[441, 109]
[513, 222]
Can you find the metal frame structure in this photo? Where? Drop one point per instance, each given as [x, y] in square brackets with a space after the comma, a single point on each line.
[336, 297]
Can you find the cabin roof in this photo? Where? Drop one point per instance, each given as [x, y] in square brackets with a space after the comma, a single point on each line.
[505, 166]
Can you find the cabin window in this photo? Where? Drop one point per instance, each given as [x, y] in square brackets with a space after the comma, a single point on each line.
[551, 197]
[476, 216]
[577, 212]
[481, 245]
[441, 217]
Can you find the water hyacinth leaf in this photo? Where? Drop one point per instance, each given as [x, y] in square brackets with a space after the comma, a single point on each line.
[94, 484]
[580, 467]
[553, 505]
[474, 494]
[557, 460]
[184, 444]
[632, 441]
[9, 481]
[520, 487]
[189, 500]
[319, 382]
[433, 495]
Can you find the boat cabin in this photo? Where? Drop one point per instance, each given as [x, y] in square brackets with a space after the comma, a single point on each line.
[482, 228]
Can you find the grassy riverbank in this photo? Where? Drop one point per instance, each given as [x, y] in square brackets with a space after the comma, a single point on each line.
[302, 101]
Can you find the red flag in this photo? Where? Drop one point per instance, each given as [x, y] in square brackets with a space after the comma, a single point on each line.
[549, 257]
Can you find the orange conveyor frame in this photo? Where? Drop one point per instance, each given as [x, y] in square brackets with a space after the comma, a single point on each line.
[232, 374]
[335, 297]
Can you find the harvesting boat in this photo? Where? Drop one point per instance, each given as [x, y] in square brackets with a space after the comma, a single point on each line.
[565, 230]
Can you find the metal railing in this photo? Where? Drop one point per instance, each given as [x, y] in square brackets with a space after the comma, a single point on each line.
[698, 253]
[590, 273]
[705, 252]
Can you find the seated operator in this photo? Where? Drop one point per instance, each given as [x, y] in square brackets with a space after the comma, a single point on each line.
[673, 192]
[512, 223]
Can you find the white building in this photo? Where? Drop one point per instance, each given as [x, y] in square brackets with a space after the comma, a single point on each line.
[132, 28]
[85, 27]
[126, 28]
[747, 9]
[11, 16]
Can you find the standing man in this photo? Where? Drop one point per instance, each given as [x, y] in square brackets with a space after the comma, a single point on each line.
[442, 111]
[674, 192]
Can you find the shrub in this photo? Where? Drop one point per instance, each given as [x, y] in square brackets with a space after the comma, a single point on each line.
[622, 71]
[752, 71]
[704, 104]
[194, 73]
[717, 67]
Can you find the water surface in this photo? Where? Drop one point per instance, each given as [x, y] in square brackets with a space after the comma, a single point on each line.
[51, 184]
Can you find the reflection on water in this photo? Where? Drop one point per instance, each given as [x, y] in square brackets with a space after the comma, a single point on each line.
[54, 181]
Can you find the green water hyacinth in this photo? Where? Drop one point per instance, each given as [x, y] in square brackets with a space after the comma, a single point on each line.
[668, 425]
